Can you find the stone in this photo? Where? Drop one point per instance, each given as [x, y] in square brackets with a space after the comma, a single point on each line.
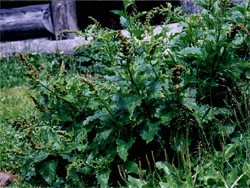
[6, 179]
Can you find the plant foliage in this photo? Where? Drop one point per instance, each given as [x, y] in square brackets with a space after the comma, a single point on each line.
[159, 111]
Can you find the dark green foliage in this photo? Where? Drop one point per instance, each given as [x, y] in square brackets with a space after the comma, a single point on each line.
[178, 99]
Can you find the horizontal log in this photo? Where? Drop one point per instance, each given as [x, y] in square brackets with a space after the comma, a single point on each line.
[40, 46]
[26, 22]
[63, 46]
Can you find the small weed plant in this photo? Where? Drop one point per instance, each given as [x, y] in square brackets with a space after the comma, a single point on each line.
[156, 111]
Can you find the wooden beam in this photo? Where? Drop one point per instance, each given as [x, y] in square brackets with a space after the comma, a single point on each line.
[190, 6]
[64, 17]
[63, 46]
[40, 46]
[26, 22]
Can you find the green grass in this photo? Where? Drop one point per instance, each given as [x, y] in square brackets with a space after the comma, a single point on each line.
[12, 73]
[15, 105]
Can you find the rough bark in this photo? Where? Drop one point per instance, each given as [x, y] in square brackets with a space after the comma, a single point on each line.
[190, 6]
[64, 17]
[26, 22]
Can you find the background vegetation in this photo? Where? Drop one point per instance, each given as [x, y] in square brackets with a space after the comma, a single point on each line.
[161, 111]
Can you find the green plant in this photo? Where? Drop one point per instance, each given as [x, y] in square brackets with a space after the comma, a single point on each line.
[154, 95]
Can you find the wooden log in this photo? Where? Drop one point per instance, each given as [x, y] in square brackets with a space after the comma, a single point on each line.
[190, 6]
[64, 17]
[26, 22]
[63, 46]
[40, 46]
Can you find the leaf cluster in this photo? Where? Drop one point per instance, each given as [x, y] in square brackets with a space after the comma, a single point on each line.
[154, 95]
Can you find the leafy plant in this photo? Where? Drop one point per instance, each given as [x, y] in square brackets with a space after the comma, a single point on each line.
[154, 95]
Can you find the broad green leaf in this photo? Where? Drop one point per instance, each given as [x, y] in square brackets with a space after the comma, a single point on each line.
[238, 40]
[127, 3]
[82, 148]
[132, 167]
[131, 102]
[149, 184]
[149, 131]
[48, 171]
[105, 134]
[164, 185]
[119, 12]
[124, 22]
[109, 34]
[164, 115]
[41, 156]
[232, 176]
[171, 183]
[210, 38]
[155, 90]
[81, 136]
[227, 130]
[91, 118]
[229, 151]
[123, 147]
[189, 100]
[192, 52]
[246, 168]
[135, 183]
[68, 98]
[139, 15]
[65, 115]
[55, 141]
[103, 177]
[162, 165]
[216, 6]
[26, 168]
[68, 157]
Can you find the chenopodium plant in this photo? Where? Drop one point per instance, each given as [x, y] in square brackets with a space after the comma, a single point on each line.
[148, 97]
[215, 42]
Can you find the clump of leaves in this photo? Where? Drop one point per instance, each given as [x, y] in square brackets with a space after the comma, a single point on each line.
[155, 96]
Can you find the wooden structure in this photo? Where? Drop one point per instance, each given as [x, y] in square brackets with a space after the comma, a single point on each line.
[26, 22]
[44, 22]
[64, 17]
[190, 6]
[36, 21]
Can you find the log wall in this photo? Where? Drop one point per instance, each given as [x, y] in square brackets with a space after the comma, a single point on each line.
[64, 17]
[46, 20]
[26, 22]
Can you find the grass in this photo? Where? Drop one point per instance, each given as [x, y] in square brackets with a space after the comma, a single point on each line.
[12, 73]
[15, 105]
